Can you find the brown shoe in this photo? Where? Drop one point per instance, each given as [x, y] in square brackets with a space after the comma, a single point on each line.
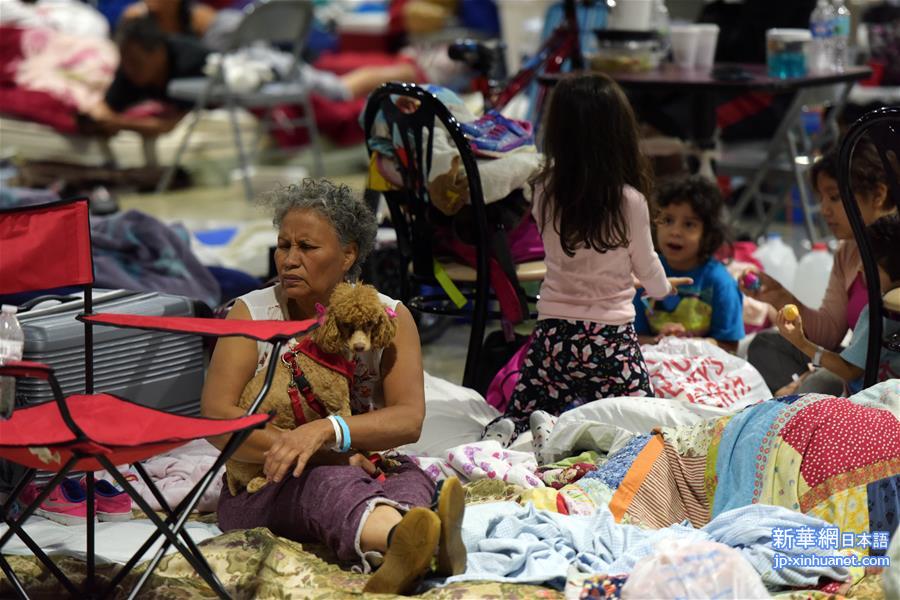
[413, 543]
[451, 506]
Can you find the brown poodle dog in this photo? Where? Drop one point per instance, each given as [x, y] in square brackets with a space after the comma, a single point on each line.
[355, 321]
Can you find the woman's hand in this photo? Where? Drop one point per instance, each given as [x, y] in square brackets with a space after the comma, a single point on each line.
[770, 291]
[293, 449]
[356, 459]
[792, 331]
[792, 387]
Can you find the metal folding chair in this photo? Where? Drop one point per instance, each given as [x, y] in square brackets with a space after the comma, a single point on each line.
[94, 431]
[783, 160]
[277, 22]
[882, 128]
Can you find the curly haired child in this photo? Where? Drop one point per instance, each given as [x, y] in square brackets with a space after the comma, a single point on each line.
[689, 230]
[590, 203]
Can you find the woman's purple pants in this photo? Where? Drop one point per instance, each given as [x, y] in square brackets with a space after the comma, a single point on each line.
[326, 504]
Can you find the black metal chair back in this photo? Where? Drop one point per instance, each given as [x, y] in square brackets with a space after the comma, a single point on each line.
[411, 128]
[882, 128]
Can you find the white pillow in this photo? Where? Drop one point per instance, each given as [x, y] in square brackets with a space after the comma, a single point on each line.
[455, 415]
[608, 423]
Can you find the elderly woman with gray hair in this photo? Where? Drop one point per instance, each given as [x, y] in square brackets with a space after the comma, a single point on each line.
[314, 493]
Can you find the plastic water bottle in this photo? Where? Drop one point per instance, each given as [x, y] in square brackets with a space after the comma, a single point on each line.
[821, 49]
[778, 260]
[659, 22]
[12, 344]
[841, 36]
[813, 272]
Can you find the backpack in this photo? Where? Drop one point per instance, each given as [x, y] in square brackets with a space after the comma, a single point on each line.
[515, 240]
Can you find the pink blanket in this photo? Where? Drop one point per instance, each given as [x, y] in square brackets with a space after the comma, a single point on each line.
[47, 76]
[175, 473]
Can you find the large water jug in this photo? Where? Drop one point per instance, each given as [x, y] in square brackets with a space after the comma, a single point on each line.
[778, 260]
[813, 272]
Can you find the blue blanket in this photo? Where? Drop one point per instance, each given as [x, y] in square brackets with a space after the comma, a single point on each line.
[520, 544]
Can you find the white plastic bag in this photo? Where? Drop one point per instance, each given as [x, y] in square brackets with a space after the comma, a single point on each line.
[696, 371]
[694, 570]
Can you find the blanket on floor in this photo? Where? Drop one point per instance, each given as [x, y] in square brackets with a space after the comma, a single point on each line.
[833, 458]
[253, 563]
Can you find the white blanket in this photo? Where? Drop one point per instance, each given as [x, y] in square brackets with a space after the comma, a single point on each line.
[175, 473]
[483, 460]
[606, 425]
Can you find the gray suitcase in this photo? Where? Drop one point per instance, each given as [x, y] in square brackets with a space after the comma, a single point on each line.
[156, 369]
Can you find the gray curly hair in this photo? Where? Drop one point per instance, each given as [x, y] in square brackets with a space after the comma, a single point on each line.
[350, 216]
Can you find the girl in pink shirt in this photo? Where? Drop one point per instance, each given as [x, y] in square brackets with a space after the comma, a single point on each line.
[846, 295]
[590, 204]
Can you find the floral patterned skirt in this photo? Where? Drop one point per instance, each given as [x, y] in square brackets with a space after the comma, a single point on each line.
[570, 363]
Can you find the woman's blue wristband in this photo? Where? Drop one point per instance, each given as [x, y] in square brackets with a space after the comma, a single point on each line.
[345, 431]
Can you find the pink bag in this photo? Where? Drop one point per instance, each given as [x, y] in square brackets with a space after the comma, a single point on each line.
[504, 382]
[525, 243]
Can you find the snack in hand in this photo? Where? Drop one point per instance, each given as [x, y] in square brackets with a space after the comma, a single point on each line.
[791, 312]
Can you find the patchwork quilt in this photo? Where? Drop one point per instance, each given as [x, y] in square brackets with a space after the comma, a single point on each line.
[833, 458]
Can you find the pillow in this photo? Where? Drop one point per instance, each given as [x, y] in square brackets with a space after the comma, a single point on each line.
[608, 423]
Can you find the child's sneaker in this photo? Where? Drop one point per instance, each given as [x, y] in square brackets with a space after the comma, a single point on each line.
[542, 424]
[111, 503]
[495, 135]
[65, 504]
[499, 430]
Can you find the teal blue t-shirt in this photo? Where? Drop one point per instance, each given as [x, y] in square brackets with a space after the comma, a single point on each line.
[855, 353]
[712, 307]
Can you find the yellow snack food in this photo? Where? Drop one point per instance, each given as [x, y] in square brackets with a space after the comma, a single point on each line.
[791, 312]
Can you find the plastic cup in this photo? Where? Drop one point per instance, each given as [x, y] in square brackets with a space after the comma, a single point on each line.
[684, 40]
[707, 38]
[631, 15]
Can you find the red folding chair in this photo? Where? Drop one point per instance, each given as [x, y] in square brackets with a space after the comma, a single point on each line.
[50, 246]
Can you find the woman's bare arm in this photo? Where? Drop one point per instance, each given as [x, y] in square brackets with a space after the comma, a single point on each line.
[403, 381]
[231, 368]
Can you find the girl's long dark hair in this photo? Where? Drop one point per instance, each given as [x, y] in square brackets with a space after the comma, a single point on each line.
[590, 141]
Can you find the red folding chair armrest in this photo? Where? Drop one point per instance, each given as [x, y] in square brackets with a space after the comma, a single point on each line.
[23, 368]
[264, 331]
